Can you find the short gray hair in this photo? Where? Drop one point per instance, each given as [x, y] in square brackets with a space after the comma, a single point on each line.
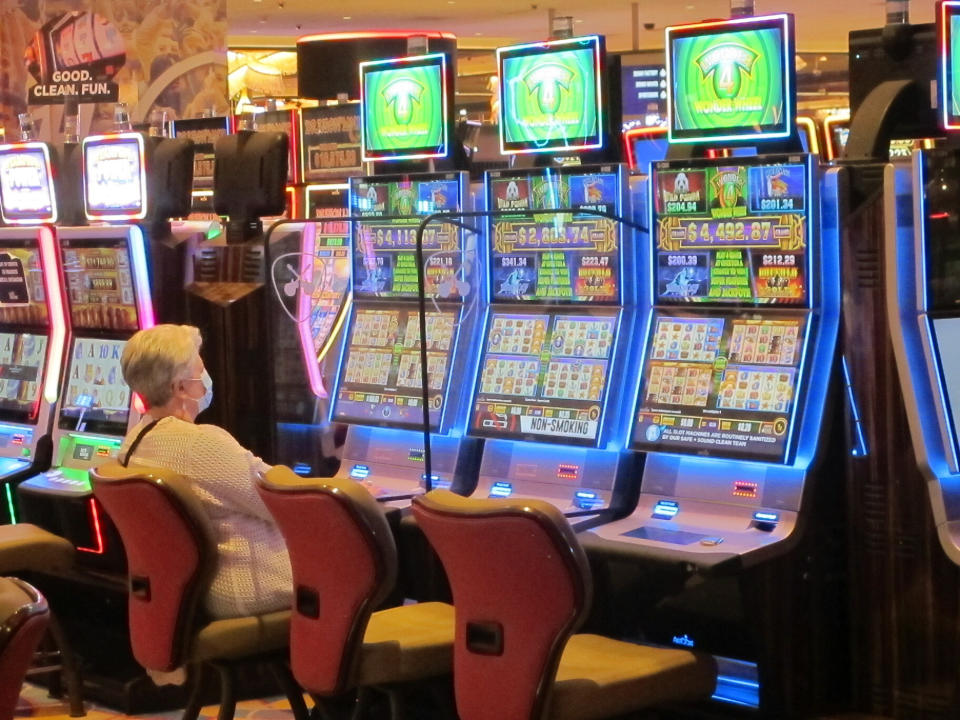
[154, 359]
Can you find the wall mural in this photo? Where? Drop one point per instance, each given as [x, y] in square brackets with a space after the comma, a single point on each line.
[163, 55]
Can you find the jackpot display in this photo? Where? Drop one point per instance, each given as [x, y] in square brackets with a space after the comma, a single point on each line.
[26, 184]
[948, 22]
[22, 356]
[732, 233]
[381, 380]
[115, 181]
[555, 257]
[384, 261]
[544, 375]
[96, 400]
[551, 95]
[405, 107]
[731, 79]
[99, 284]
[22, 292]
[721, 383]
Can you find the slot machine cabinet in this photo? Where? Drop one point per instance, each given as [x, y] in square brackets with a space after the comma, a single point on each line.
[228, 298]
[33, 323]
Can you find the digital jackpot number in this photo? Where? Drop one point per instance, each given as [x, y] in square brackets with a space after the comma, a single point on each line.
[758, 231]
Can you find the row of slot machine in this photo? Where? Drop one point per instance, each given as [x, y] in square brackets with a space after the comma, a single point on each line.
[654, 358]
[664, 360]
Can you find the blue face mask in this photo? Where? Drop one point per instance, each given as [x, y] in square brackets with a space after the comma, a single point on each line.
[204, 402]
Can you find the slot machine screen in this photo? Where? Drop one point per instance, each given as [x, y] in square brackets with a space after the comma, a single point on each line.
[114, 177]
[721, 384]
[405, 108]
[380, 378]
[732, 232]
[731, 79]
[26, 184]
[946, 331]
[544, 375]
[385, 260]
[22, 357]
[99, 284]
[948, 28]
[22, 292]
[555, 257]
[551, 96]
[941, 242]
[96, 399]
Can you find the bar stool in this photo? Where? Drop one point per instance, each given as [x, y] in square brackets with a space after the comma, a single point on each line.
[26, 548]
[521, 588]
[23, 621]
[344, 563]
[171, 553]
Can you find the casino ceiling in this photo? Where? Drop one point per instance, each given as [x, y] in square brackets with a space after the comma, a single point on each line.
[821, 26]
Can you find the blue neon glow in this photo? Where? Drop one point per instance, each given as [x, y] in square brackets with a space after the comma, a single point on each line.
[360, 472]
[737, 683]
[762, 516]
[683, 641]
[302, 469]
[859, 448]
[666, 509]
[501, 489]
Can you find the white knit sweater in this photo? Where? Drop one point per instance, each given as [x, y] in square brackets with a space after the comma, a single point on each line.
[253, 569]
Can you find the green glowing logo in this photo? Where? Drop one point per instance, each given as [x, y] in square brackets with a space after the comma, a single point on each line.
[547, 82]
[549, 99]
[404, 108]
[727, 63]
[728, 82]
[401, 94]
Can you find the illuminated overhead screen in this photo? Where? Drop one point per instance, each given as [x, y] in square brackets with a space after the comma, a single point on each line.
[551, 96]
[731, 80]
[26, 184]
[405, 107]
[948, 27]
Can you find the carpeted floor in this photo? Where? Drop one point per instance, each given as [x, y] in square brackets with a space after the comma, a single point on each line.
[34, 703]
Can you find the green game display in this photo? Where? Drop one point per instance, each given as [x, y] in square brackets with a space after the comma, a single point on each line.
[731, 80]
[551, 96]
[405, 107]
[948, 20]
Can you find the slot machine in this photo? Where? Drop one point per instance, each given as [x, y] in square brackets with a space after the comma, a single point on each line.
[107, 286]
[310, 272]
[378, 386]
[203, 133]
[33, 323]
[562, 293]
[733, 536]
[286, 122]
[900, 279]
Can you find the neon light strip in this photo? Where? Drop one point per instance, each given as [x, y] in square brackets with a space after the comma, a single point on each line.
[138, 259]
[25, 147]
[10, 507]
[444, 87]
[50, 262]
[633, 133]
[106, 140]
[97, 548]
[948, 9]
[550, 45]
[788, 50]
[97, 438]
[312, 364]
[378, 34]
[810, 127]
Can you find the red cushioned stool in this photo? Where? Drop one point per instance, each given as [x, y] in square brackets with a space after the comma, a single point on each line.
[23, 621]
[344, 563]
[521, 587]
[171, 553]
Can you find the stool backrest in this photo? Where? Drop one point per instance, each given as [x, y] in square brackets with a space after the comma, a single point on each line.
[344, 563]
[23, 619]
[521, 585]
[171, 557]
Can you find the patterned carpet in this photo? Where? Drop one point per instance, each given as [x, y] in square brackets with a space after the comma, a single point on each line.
[35, 703]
